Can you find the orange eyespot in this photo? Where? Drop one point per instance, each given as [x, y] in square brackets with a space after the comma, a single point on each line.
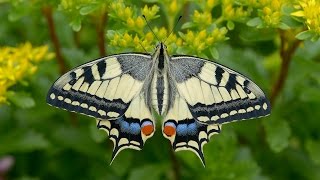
[147, 129]
[169, 130]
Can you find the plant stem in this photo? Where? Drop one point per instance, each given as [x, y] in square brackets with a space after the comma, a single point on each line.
[175, 164]
[286, 53]
[47, 11]
[100, 26]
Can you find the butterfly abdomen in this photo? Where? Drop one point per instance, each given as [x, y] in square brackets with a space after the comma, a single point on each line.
[159, 93]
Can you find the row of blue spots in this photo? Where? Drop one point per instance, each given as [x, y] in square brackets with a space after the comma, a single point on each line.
[187, 129]
[131, 128]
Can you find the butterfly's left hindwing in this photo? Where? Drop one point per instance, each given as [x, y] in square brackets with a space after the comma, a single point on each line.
[184, 131]
[102, 88]
[132, 129]
[216, 94]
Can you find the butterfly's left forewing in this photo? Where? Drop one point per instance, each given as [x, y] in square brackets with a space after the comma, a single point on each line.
[216, 94]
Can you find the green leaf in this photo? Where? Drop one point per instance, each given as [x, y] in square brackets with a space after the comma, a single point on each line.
[278, 133]
[214, 53]
[284, 26]
[20, 99]
[96, 134]
[76, 24]
[20, 141]
[254, 22]
[147, 172]
[313, 148]
[188, 25]
[88, 9]
[304, 35]
[230, 25]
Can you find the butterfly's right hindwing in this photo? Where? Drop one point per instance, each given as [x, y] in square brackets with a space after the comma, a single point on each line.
[102, 88]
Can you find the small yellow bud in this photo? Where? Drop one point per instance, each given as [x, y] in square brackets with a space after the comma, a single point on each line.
[173, 7]
[149, 36]
[267, 11]
[136, 40]
[140, 23]
[162, 33]
[130, 22]
[210, 4]
[127, 38]
[202, 34]
[127, 12]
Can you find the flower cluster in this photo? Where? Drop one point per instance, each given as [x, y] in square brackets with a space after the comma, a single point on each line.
[199, 41]
[232, 11]
[139, 43]
[130, 17]
[17, 63]
[309, 11]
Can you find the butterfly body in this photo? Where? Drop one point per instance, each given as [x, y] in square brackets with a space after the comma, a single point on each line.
[193, 95]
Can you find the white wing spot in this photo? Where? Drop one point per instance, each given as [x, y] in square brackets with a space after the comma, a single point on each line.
[203, 118]
[242, 111]
[112, 114]
[214, 118]
[84, 105]
[60, 98]
[92, 108]
[224, 115]
[264, 106]
[67, 100]
[249, 109]
[257, 107]
[52, 96]
[75, 103]
[102, 112]
[233, 112]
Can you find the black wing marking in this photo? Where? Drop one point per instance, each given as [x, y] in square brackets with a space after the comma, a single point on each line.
[102, 88]
[131, 130]
[217, 94]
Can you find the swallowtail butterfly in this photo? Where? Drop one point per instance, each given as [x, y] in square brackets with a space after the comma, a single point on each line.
[193, 95]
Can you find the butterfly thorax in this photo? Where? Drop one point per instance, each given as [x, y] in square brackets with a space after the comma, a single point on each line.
[159, 86]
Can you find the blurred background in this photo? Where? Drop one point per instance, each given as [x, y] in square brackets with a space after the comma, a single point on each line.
[274, 42]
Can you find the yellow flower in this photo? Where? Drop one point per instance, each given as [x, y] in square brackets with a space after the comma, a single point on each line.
[309, 11]
[18, 63]
[150, 13]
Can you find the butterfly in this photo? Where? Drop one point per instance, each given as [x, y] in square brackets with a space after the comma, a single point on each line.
[194, 96]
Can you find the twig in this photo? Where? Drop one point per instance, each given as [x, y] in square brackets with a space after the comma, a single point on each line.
[286, 53]
[100, 25]
[47, 11]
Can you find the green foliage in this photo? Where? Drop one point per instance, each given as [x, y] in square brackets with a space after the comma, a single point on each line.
[253, 37]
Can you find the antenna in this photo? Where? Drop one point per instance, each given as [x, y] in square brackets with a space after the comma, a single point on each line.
[150, 27]
[173, 28]
[143, 47]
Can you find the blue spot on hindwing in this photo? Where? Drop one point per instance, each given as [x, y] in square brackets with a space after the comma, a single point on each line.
[192, 129]
[182, 129]
[135, 128]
